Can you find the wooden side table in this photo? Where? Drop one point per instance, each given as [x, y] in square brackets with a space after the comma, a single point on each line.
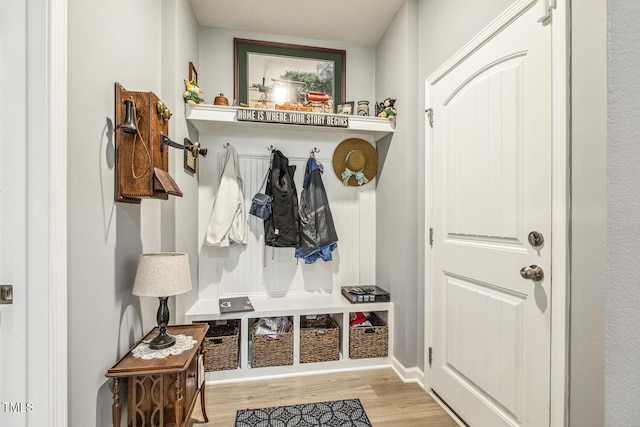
[161, 392]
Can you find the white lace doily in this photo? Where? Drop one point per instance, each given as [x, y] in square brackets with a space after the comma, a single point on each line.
[183, 343]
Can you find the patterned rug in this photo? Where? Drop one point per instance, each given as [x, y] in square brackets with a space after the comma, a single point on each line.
[337, 413]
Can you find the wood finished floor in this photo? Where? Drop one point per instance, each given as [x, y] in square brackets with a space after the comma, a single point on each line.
[387, 400]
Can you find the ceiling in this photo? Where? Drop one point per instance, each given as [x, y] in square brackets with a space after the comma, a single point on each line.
[360, 22]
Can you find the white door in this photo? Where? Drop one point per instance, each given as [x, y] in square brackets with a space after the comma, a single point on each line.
[491, 183]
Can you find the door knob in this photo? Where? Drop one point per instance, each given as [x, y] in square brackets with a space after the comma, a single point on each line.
[536, 239]
[533, 272]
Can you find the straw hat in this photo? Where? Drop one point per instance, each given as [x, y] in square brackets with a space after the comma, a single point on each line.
[355, 162]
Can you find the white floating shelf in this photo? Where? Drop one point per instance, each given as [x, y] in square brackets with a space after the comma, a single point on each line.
[206, 118]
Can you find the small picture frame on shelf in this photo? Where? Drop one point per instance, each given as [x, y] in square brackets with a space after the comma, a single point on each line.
[345, 108]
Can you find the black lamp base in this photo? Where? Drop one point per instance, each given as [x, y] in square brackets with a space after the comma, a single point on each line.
[163, 340]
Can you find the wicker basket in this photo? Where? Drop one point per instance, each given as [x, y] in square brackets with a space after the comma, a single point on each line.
[221, 346]
[319, 339]
[267, 350]
[369, 341]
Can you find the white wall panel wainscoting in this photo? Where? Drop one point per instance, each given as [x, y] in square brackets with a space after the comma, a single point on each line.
[255, 269]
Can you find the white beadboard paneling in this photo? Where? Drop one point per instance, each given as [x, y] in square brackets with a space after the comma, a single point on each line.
[259, 270]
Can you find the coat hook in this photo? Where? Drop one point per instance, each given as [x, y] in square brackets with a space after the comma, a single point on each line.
[225, 145]
[314, 151]
[271, 148]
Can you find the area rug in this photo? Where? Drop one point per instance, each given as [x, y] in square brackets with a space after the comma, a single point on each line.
[337, 413]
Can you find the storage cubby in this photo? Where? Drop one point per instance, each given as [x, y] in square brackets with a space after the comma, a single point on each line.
[371, 340]
[271, 349]
[296, 307]
[221, 345]
[319, 338]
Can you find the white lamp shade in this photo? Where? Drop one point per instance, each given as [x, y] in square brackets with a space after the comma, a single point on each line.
[162, 275]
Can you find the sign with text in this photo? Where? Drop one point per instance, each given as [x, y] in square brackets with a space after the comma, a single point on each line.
[292, 117]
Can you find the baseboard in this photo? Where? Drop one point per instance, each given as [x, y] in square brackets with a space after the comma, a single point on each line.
[270, 373]
[408, 375]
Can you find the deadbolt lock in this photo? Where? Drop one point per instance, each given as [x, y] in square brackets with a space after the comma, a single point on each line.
[6, 294]
[533, 272]
[536, 239]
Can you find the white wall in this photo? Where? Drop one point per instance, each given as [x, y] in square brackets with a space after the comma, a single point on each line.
[446, 26]
[216, 62]
[399, 190]
[622, 294]
[180, 214]
[116, 41]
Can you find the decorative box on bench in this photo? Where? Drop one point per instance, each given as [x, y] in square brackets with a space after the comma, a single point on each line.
[221, 345]
[365, 294]
[319, 339]
[369, 341]
[272, 349]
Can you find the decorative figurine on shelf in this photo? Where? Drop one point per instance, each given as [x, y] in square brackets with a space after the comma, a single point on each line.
[386, 109]
[192, 94]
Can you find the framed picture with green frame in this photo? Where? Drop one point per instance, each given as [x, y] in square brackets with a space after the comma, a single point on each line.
[278, 75]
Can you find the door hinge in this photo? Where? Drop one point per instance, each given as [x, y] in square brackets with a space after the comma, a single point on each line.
[547, 10]
[431, 236]
[430, 355]
[429, 112]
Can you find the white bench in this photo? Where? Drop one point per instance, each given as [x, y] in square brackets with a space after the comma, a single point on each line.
[295, 306]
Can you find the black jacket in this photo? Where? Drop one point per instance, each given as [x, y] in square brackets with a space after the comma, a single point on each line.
[282, 228]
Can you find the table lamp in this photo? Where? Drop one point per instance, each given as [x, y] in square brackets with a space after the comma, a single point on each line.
[162, 275]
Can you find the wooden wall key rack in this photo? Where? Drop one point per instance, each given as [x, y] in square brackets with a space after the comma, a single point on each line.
[141, 163]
